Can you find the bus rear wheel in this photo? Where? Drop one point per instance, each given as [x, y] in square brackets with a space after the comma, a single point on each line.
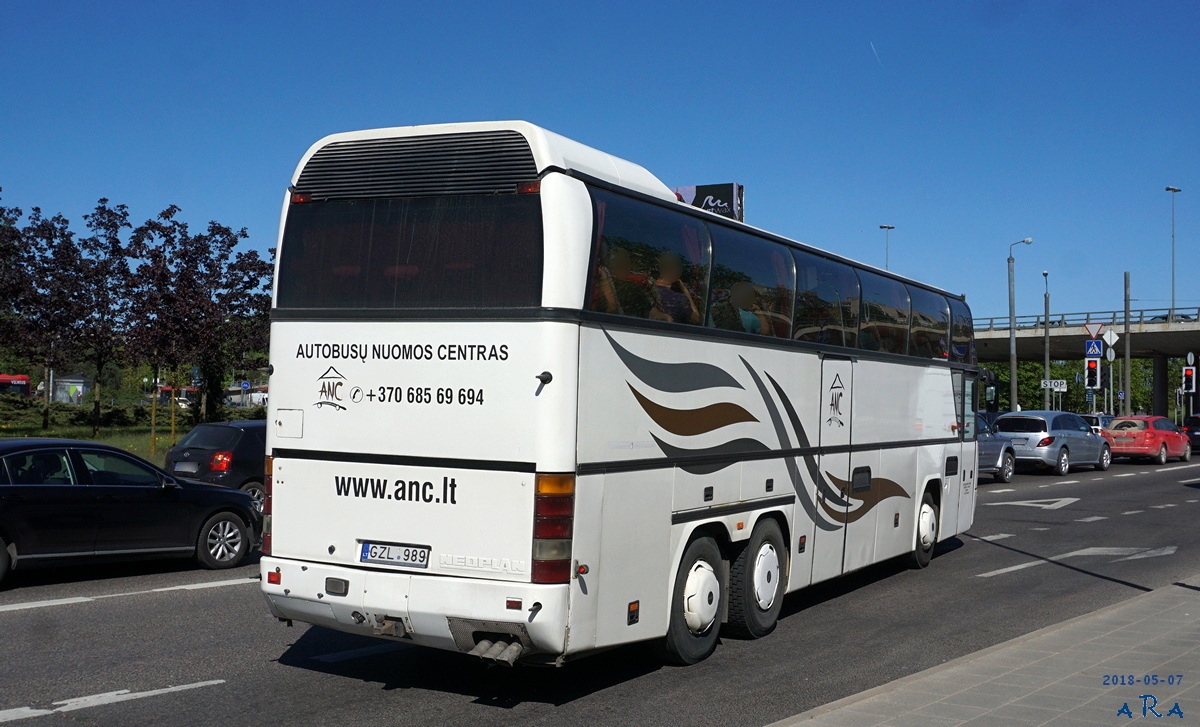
[927, 530]
[696, 603]
[756, 582]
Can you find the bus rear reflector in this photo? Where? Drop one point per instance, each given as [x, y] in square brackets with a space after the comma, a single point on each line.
[529, 187]
[301, 198]
[268, 487]
[553, 526]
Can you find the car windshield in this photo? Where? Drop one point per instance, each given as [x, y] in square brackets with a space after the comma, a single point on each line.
[207, 437]
[1020, 425]
[1126, 424]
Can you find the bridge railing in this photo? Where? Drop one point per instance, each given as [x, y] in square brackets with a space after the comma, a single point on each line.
[1111, 319]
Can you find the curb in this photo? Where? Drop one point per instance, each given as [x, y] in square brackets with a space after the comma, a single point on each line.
[967, 658]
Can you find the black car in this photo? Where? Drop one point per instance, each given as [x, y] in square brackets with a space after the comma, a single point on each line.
[1191, 427]
[63, 501]
[226, 453]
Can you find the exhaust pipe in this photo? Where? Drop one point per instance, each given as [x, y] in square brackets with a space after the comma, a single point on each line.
[510, 655]
[480, 648]
[496, 650]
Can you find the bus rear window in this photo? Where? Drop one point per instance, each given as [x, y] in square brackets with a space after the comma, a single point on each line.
[471, 251]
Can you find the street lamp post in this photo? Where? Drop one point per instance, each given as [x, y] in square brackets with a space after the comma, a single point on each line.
[1046, 340]
[1173, 191]
[887, 230]
[1012, 326]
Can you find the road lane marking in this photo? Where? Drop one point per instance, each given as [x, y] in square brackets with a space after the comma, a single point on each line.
[1092, 519]
[44, 604]
[1169, 550]
[1126, 474]
[340, 656]
[1179, 467]
[1097, 479]
[87, 599]
[1160, 507]
[1191, 500]
[97, 700]
[997, 536]
[1067, 482]
[1132, 512]
[1064, 556]
[1049, 504]
[1190, 482]
[1039, 528]
[997, 492]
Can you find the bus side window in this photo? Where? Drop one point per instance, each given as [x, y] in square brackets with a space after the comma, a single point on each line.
[827, 295]
[753, 284]
[962, 333]
[885, 314]
[650, 262]
[930, 334]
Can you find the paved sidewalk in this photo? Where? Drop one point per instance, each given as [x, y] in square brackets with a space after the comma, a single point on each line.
[1055, 676]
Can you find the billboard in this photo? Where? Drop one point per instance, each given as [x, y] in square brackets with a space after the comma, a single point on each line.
[723, 199]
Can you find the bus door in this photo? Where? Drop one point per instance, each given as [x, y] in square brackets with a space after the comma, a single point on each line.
[969, 459]
[829, 546]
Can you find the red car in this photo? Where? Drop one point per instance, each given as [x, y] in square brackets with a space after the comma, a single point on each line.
[1152, 437]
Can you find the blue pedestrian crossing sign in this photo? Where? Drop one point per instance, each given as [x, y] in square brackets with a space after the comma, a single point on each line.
[1094, 347]
[1121, 395]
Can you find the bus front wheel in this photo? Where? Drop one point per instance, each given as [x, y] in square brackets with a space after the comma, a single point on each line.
[696, 603]
[756, 582]
[927, 530]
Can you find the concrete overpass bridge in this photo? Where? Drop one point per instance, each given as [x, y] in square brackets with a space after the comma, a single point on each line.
[1156, 334]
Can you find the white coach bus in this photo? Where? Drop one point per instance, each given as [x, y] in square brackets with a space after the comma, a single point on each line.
[525, 404]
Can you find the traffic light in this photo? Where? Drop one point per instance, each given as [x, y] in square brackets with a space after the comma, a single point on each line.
[1091, 373]
[1189, 379]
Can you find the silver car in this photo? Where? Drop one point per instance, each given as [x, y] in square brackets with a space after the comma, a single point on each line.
[996, 455]
[1054, 439]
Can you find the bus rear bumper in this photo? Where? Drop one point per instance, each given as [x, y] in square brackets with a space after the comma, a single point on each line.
[444, 613]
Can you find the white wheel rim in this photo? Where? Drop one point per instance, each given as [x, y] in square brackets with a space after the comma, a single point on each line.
[701, 597]
[766, 576]
[927, 526]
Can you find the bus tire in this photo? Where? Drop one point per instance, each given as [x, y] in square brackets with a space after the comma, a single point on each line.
[926, 531]
[756, 582]
[696, 601]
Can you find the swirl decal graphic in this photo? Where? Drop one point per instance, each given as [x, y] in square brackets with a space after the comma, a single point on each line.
[833, 507]
[690, 422]
[673, 378]
[881, 489]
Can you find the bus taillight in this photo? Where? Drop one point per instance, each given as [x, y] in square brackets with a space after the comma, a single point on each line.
[268, 486]
[553, 525]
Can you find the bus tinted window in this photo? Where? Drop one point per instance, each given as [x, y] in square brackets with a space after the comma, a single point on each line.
[752, 284]
[650, 262]
[424, 252]
[962, 333]
[930, 333]
[885, 314]
[826, 301]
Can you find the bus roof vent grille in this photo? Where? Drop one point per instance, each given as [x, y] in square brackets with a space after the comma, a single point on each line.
[483, 162]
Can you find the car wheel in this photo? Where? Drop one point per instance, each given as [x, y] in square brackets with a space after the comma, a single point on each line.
[696, 602]
[1105, 460]
[1008, 467]
[257, 491]
[1187, 453]
[5, 560]
[926, 532]
[1162, 455]
[224, 542]
[756, 581]
[1062, 465]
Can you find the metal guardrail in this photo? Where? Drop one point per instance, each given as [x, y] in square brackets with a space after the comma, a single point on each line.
[1110, 319]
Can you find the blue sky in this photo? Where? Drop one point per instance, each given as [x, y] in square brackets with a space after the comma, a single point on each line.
[967, 125]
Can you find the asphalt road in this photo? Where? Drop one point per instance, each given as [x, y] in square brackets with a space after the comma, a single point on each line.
[166, 644]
